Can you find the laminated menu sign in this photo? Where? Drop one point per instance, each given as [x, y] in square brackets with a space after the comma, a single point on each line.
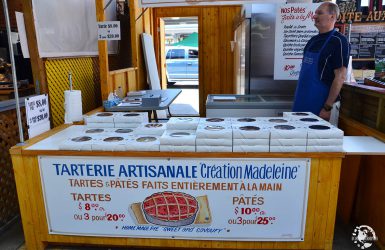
[185, 198]
[294, 27]
[37, 114]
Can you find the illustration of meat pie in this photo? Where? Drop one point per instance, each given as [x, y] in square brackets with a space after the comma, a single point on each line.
[171, 209]
[94, 130]
[214, 127]
[146, 139]
[153, 125]
[300, 114]
[179, 134]
[249, 128]
[246, 120]
[123, 130]
[277, 120]
[81, 139]
[104, 114]
[215, 120]
[113, 139]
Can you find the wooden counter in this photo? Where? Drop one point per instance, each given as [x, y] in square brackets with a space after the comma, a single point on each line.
[320, 216]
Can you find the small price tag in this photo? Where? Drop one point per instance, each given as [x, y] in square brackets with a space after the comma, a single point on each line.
[109, 30]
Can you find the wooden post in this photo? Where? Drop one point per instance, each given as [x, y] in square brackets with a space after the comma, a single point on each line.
[103, 54]
[37, 64]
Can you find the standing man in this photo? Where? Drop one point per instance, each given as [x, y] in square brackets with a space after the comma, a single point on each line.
[324, 64]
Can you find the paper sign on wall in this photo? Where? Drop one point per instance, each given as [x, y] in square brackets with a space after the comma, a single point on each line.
[185, 198]
[109, 30]
[293, 29]
[37, 113]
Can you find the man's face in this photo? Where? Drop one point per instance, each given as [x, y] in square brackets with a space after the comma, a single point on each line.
[322, 18]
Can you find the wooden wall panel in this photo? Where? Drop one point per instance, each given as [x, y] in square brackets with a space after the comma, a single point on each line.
[216, 63]
[362, 186]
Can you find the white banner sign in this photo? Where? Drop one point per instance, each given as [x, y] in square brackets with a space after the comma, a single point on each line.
[109, 30]
[294, 27]
[226, 199]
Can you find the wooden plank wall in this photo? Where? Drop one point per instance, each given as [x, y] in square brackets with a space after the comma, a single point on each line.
[216, 63]
[362, 192]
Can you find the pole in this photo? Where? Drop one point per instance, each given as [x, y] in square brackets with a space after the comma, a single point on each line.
[11, 55]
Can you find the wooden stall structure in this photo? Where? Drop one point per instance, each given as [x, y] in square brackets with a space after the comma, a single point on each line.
[320, 215]
[362, 186]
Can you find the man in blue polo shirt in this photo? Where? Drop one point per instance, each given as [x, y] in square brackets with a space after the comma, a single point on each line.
[324, 65]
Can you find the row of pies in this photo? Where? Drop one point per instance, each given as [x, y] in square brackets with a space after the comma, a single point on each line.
[291, 133]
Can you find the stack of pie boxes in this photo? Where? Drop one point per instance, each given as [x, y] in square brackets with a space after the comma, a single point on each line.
[321, 135]
[116, 119]
[250, 135]
[286, 135]
[180, 135]
[147, 137]
[214, 135]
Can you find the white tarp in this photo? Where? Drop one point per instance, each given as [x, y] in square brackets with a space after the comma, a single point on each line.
[69, 28]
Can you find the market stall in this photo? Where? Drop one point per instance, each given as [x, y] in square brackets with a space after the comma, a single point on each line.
[105, 195]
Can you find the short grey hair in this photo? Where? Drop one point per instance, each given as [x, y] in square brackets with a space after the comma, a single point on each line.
[333, 8]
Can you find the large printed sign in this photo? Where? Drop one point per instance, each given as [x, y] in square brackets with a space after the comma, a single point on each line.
[223, 199]
[293, 29]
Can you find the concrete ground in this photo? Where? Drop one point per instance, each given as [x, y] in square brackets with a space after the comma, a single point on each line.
[187, 103]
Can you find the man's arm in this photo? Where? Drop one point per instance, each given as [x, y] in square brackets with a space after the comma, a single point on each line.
[339, 79]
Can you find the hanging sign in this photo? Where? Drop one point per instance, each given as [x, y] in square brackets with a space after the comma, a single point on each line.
[37, 113]
[294, 27]
[185, 198]
[109, 30]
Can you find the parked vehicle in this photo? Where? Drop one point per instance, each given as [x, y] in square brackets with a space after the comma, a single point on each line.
[181, 63]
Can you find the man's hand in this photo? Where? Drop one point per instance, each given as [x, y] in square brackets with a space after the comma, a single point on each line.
[325, 114]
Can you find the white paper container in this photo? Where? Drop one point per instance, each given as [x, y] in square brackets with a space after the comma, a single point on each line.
[173, 148]
[131, 117]
[127, 125]
[287, 142]
[156, 129]
[146, 145]
[70, 144]
[324, 148]
[251, 142]
[248, 148]
[240, 131]
[294, 131]
[183, 123]
[332, 133]
[214, 149]
[214, 131]
[287, 148]
[325, 142]
[100, 117]
[213, 142]
[111, 143]
[100, 125]
[178, 137]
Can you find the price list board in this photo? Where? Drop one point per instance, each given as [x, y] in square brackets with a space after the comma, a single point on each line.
[367, 42]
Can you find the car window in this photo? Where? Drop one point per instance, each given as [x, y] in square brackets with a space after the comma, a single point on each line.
[175, 54]
[192, 53]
